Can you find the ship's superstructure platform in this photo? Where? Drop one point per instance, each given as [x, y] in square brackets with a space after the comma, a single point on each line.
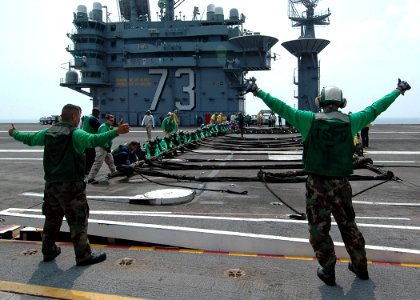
[132, 65]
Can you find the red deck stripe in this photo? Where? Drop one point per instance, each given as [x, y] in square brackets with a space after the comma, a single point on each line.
[175, 249]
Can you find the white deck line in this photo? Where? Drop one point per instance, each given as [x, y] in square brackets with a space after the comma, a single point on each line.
[215, 240]
[392, 152]
[202, 217]
[20, 158]
[39, 195]
[132, 197]
[216, 218]
[386, 203]
[21, 150]
[397, 161]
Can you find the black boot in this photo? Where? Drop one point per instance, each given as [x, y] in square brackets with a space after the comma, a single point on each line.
[53, 254]
[94, 258]
[328, 277]
[364, 275]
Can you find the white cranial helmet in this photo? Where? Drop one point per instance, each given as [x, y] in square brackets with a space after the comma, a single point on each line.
[331, 94]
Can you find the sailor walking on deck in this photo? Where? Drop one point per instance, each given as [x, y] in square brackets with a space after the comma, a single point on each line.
[149, 122]
[328, 151]
[103, 153]
[65, 189]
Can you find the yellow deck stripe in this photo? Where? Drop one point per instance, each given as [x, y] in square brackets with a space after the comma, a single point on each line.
[144, 248]
[299, 257]
[410, 265]
[197, 251]
[56, 293]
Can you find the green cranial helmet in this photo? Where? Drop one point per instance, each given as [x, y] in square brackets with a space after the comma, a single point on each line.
[331, 94]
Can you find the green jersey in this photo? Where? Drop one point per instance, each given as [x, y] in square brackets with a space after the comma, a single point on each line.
[328, 149]
[87, 124]
[80, 140]
[304, 122]
[169, 125]
[105, 127]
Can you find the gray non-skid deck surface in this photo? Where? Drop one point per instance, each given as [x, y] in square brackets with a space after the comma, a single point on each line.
[175, 275]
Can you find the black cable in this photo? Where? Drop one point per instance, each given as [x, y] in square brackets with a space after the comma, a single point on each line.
[180, 166]
[196, 178]
[373, 186]
[278, 197]
[35, 205]
[409, 183]
[194, 188]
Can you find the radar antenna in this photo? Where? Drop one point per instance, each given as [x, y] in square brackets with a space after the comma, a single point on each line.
[308, 18]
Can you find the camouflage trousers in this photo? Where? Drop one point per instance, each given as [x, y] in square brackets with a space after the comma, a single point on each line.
[326, 196]
[66, 199]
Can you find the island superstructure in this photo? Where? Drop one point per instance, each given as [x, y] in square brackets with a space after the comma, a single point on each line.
[132, 65]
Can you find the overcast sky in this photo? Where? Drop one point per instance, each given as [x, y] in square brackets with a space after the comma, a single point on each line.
[373, 43]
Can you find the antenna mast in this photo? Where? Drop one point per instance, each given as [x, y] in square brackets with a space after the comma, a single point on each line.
[306, 49]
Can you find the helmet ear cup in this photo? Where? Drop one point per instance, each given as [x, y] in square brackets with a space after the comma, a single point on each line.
[317, 101]
[343, 103]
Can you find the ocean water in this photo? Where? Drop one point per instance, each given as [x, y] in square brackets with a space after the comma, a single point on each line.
[397, 121]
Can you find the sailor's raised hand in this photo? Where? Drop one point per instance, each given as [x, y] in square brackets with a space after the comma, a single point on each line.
[11, 129]
[403, 86]
[123, 128]
[252, 88]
